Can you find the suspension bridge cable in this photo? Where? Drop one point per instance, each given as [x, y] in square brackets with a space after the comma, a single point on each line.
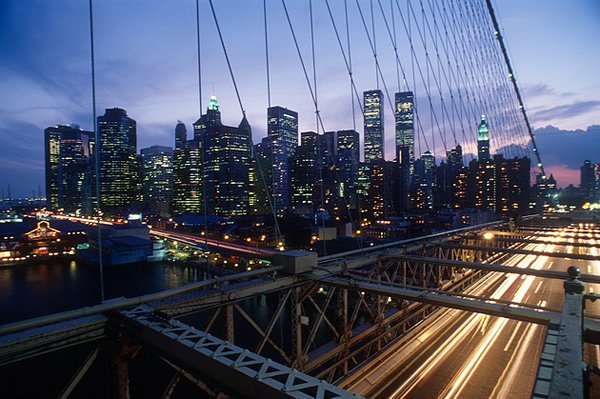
[464, 79]
[199, 55]
[374, 44]
[436, 39]
[347, 60]
[414, 83]
[96, 150]
[429, 66]
[224, 48]
[237, 92]
[499, 78]
[199, 60]
[449, 71]
[317, 117]
[413, 56]
[349, 63]
[505, 88]
[457, 77]
[487, 63]
[477, 96]
[401, 67]
[515, 86]
[314, 99]
[272, 204]
[395, 41]
[268, 69]
[495, 120]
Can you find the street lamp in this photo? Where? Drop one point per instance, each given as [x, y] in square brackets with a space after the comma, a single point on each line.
[488, 235]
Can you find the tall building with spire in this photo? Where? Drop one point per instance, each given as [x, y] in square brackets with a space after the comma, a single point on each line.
[373, 126]
[119, 166]
[483, 141]
[226, 155]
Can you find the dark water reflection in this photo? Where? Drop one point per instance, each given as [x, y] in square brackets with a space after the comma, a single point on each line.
[61, 284]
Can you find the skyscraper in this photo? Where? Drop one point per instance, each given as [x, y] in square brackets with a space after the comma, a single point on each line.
[68, 155]
[305, 173]
[157, 178]
[374, 126]
[119, 167]
[422, 191]
[180, 135]
[588, 179]
[405, 128]
[512, 184]
[187, 175]
[455, 157]
[483, 141]
[347, 160]
[405, 145]
[226, 153]
[261, 178]
[282, 126]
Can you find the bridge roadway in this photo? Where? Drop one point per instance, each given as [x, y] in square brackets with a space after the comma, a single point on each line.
[190, 239]
[453, 353]
[458, 354]
[220, 245]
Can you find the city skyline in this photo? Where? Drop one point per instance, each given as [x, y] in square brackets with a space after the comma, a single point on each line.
[43, 94]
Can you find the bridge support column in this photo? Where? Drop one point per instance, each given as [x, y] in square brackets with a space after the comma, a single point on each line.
[297, 329]
[125, 351]
[229, 326]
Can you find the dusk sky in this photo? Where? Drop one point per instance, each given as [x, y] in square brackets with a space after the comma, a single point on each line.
[146, 63]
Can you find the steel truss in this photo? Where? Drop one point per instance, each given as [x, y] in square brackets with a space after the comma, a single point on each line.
[254, 375]
[326, 322]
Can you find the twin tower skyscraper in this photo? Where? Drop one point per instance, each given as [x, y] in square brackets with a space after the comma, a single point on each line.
[374, 127]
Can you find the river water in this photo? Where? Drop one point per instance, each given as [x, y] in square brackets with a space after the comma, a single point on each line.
[56, 285]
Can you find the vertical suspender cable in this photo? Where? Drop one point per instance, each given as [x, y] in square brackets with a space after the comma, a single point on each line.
[204, 200]
[395, 43]
[374, 43]
[318, 117]
[314, 64]
[272, 204]
[237, 92]
[97, 152]
[198, 51]
[349, 64]
[267, 54]
[239, 98]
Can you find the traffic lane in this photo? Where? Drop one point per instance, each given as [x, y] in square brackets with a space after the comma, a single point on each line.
[479, 357]
[460, 344]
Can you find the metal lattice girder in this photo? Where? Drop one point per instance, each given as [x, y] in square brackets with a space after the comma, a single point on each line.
[198, 299]
[36, 341]
[523, 251]
[591, 327]
[365, 256]
[554, 274]
[238, 369]
[528, 315]
[546, 241]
